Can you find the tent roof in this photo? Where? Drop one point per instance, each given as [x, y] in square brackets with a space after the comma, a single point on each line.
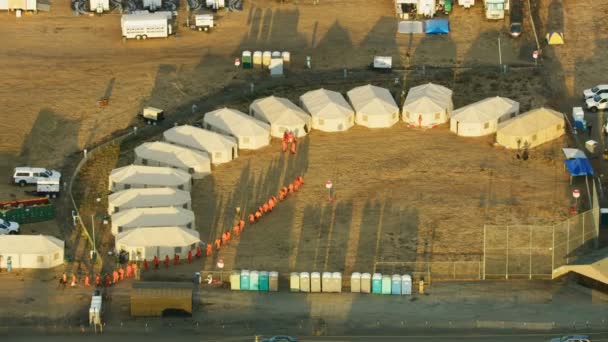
[327, 104]
[153, 217]
[30, 244]
[594, 266]
[172, 154]
[199, 138]
[237, 122]
[149, 197]
[437, 26]
[485, 110]
[531, 122]
[411, 27]
[573, 153]
[372, 100]
[280, 111]
[139, 174]
[428, 98]
[169, 236]
[555, 38]
[579, 167]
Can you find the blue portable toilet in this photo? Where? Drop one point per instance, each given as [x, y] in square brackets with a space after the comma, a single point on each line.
[386, 284]
[254, 281]
[377, 283]
[396, 284]
[245, 280]
[406, 285]
[264, 281]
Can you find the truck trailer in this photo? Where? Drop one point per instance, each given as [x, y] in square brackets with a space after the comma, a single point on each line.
[203, 22]
[495, 9]
[24, 5]
[142, 26]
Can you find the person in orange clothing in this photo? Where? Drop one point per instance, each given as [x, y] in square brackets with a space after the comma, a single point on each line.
[167, 261]
[108, 280]
[199, 251]
[241, 225]
[114, 277]
[228, 236]
[135, 271]
[285, 140]
[293, 146]
[121, 273]
[189, 256]
[265, 208]
[237, 230]
[87, 281]
[129, 271]
[274, 199]
[218, 244]
[209, 249]
[270, 204]
[176, 259]
[290, 187]
[251, 218]
[300, 179]
[258, 215]
[296, 185]
[146, 265]
[285, 190]
[261, 209]
[282, 196]
[97, 280]
[156, 262]
[224, 238]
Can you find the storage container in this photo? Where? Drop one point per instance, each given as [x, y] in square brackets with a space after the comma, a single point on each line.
[245, 280]
[366, 283]
[235, 280]
[336, 282]
[377, 283]
[315, 282]
[355, 282]
[406, 284]
[294, 282]
[273, 281]
[263, 281]
[396, 284]
[304, 282]
[325, 282]
[386, 284]
[254, 281]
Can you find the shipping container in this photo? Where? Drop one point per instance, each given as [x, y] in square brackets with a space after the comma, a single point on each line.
[27, 211]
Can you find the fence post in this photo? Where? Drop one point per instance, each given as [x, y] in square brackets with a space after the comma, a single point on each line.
[454, 270]
[583, 238]
[553, 250]
[530, 243]
[507, 251]
[568, 244]
[484, 254]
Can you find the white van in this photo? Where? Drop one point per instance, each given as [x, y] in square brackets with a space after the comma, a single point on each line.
[31, 175]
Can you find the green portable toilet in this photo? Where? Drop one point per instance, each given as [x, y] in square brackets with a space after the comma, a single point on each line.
[247, 60]
[264, 281]
[447, 7]
[245, 280]
[377, 283]
[254, 281]
[386, 284]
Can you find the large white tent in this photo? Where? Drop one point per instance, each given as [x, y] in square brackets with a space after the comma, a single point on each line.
[482, 117]
[148, 242]
[375, 107]
[427, 105]
[139, 176]
[329, 110]
[158, 153]
[531, 129]
[282, 115]
[221, 148]
[152, 217]
[250, 133]
[148, 198]
[31, 251]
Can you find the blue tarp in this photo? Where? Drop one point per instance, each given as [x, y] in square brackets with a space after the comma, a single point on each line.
[579, 167]
[437, 26]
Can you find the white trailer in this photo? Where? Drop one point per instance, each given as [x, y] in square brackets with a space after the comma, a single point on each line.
[466, 3]
[146, 25]
[99, 6]
[95, 311]
[153, 5]
[203, 22]
[383, 63]
[426, 8]
[215, 4]
[495, 9]
[24, 5]
[48, 187]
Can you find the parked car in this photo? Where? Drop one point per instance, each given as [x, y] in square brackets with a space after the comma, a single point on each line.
[30, 175]
[8, 227]
[597, 90]
[572, 338]
[280, 339]
[598, 102]
[516, 16]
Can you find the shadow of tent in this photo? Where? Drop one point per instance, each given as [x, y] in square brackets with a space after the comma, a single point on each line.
[555, 17]
[431, 46]
[336, 35]
[381, 40]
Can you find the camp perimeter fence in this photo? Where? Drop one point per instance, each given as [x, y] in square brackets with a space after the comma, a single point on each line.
[432, 270]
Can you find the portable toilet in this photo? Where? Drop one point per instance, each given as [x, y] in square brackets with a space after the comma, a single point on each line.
[276, 68]
[294, 282]
[257, 59]
[376, 283]
[315, 282]
[304, 282]
[336, 282]
[406, 284]
[386, 284]
[254, 281]
[235, 280]
[245, 280]
[396, 284]
[326, 282]
[266, 57]
[276, 55]
[286, 58]
[246, 60]
[264, 281]
[273, 281]
[578, 114]
[355, 282]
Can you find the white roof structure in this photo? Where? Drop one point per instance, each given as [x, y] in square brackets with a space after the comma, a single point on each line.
[250, 133]
[531, 129]
[282, 115]
[159, 153]
[138, 176]
[221, 148]
[482, 117]
[574, 153]
[31, 251]
[152, 217]
[329, 110]
[148, 198]
[169, 236]
[427, 105]
[375, 107]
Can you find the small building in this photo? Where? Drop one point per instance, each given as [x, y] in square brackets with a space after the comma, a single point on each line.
[482, 117]
[374, 107]
[151, 217]
[427, 105]
[157, 299]
[31, 251]
[148, 198]
[531, 129]
[148, 242]
[221, 148]
[139, 176]
[329, 110]
[250, 133]
[158, 153]
[282, 115]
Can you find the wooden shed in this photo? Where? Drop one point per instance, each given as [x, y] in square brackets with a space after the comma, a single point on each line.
[159, 298]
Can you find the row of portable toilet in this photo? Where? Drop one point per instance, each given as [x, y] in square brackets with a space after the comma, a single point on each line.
[264, 59]
[246, 280]
[381, 284]
[315, 282]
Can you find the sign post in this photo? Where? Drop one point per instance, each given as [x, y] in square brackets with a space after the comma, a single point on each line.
[329, 185]
[535, 56]
[576, 193]
[220, 265]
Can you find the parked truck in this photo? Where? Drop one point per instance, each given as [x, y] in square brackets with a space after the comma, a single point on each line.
[28, 210]
[495, 9]
[146, 25]
[202, 22]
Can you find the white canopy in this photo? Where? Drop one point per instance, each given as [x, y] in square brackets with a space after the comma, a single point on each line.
[160, 153]
[329, 110]
[152, 217]
[31, 251]
[221, 148]
[138, 176]
[250, 133]
[427, 105]
[148, 198]
[374, 106]
[482, 117]
[531, 128]
[574, 153]
[282, 115]
[169, 236]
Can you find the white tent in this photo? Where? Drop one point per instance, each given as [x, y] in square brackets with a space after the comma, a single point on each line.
[138, 176]
[148, 198]
[31, 251]
[427, 105]
[158, 153]
[151, 217]
[221, 148]
[329, 110]
[250, 133]
[531, 129]
[574, 153]
[374, 106]
[282, 115]
[482, 117]
[148, 242]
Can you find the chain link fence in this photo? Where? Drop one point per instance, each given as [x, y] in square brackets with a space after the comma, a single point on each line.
[432, 270]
